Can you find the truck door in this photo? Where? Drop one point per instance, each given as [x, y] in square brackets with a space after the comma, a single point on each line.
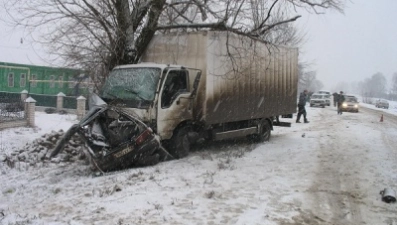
[175, 102]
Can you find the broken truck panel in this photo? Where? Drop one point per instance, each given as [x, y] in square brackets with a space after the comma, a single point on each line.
[115, 140]
[243, 80]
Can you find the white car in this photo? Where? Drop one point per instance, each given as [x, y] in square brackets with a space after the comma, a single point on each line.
[350, 104]
[328, 96]
[319, 100]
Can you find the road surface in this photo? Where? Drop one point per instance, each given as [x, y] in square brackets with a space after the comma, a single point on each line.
[327, 172]
[357, 158]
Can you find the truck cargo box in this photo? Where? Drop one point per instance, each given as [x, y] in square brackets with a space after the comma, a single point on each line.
[241, 78]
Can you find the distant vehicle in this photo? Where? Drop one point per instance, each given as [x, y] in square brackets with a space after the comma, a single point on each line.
[328, 94]
[324, 92]
[350, 104]
[319, 100]
[381, 103]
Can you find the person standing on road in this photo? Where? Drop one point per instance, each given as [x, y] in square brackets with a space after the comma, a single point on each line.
[335, 98]
[301, 107]
[341, 99]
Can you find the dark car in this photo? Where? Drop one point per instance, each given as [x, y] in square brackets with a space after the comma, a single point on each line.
[350, 104]
[115, 140]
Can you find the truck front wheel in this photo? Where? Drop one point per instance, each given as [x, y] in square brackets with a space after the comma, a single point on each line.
[180, 144]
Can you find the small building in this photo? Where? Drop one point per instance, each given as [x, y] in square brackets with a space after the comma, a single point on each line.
[46, 80]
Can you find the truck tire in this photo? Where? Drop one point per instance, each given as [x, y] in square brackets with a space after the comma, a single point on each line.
[180, 144]
[264, 133]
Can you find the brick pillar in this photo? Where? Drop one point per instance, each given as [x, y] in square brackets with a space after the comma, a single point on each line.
[60, 97]
[30, 108]
[24, 95]
[80, 111]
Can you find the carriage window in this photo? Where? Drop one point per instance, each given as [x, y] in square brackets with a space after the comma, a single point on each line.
[11, 80]
[22, 80]
[33, 80]
[71, 82]
[60, 81]
[52, 81]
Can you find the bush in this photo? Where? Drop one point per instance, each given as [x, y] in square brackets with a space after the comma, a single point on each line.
[49, 110]
[62, 112]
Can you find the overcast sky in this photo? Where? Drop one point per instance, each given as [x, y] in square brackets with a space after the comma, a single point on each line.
[345, 47]
[352, 46]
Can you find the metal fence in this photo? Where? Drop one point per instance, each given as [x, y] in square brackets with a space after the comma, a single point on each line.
[11, 107]
[45, 100]
[11, 102]
[70, 102]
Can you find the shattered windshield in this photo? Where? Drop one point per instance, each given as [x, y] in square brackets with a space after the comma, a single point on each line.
[131, 84]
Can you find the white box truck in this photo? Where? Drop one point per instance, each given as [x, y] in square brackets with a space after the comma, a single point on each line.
[194, 86]
[207, 86]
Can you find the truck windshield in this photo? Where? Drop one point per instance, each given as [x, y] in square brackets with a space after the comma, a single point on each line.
[132, 86]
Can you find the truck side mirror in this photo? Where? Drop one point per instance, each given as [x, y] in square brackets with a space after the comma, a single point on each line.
[196, 84]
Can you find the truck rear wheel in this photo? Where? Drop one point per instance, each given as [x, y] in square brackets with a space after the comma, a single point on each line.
[180, 144]
[264, 132]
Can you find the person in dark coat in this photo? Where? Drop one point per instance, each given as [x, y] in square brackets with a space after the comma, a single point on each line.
[301, 107]
[341, 99]
[336, 95]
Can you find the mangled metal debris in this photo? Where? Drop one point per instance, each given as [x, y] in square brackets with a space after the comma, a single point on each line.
[388, 195]
[36, 152]
[115, 140]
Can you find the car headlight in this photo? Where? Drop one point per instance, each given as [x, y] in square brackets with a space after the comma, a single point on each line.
[344, 104]
[355, 106]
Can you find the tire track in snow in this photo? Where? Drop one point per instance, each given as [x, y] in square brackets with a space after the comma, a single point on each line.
[334, 189]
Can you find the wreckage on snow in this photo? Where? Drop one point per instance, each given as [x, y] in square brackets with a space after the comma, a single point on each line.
[215, 93]
[114, 139]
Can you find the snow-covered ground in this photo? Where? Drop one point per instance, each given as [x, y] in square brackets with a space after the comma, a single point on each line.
[329, 171]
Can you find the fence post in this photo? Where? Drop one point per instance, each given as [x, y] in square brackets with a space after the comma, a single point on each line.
[24, 95]
[60, 97]
[80, 111]
[30, 108]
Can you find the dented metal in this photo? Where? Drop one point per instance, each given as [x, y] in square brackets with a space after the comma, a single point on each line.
[115, 139]
[241, 80]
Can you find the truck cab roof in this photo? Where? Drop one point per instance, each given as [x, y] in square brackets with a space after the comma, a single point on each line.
[149, 64]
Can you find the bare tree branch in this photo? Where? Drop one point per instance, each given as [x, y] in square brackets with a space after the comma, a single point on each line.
[99, 34]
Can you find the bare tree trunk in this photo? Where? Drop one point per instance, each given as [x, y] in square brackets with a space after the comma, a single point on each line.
[149, 30]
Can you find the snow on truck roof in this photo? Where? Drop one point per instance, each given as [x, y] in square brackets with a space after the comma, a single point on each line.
[148, 64]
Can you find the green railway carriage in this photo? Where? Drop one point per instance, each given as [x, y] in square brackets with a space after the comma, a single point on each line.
[42, 79]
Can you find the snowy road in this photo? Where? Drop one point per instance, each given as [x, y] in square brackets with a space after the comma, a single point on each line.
[329, 171]
[357, 158]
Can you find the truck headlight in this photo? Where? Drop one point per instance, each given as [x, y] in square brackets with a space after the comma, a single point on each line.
[344, 104]
[355, 106]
